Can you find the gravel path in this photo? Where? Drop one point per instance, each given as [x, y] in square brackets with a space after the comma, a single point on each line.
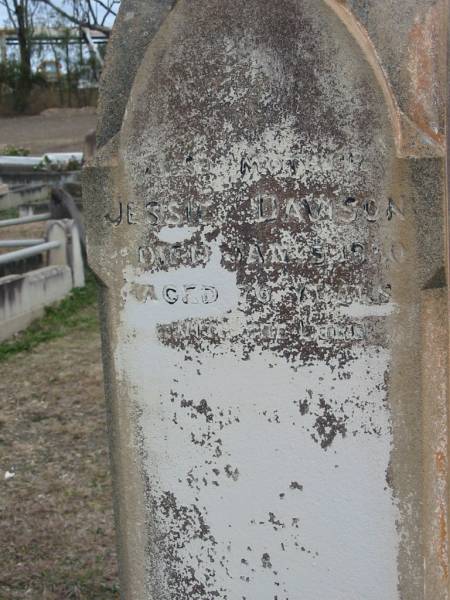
[55, 130]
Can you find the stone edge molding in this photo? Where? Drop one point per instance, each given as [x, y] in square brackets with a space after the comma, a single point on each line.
[411, 141]
[139, 21]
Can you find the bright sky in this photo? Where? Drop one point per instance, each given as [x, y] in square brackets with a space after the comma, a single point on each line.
[3, 15]
[13, 50]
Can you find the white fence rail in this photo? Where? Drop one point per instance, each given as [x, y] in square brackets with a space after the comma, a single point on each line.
[60, 159]
[19, 195]
[21, 243]
[24, 296]
[25, 220]
[36, 250]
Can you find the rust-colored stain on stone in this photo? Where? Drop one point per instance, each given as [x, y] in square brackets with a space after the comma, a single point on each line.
[441, 463]
[442, 543]
[426, 42]
[442, 551]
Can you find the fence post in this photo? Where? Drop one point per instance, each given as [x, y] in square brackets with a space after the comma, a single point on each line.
[26, 210]
[75, 253]
[56, 232]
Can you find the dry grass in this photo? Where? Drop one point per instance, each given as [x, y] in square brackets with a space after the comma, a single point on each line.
[56, 524]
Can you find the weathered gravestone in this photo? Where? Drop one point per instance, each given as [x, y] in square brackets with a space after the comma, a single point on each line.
[266, 213]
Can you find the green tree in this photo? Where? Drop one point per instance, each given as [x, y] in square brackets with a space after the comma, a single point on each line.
[20, 15]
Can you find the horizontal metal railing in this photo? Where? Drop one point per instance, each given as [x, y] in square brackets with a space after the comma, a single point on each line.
[27, 248]
[25, 220]
[20, 243]
[11, 257]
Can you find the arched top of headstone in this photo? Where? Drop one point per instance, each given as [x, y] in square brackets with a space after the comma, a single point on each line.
[413, 139]
[411, 41]
[137, 22]
[418, 124]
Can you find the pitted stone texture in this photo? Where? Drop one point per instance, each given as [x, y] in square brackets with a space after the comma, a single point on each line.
[265, 250]
[411, 41]
[137, 23]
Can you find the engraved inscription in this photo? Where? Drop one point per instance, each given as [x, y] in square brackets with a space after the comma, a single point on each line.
[300, 233]
[176, 294]
[190, 294]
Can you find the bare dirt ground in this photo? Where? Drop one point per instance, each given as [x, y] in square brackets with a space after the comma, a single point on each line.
[54, 130]
[56, 523]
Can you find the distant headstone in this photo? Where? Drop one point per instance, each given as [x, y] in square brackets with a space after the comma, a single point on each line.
[56, 232]
[26, 210]
[89, 146]
[75, 253]
[267, 218]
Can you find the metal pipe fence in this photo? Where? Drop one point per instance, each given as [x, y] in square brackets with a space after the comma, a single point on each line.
[11, 257]
[20, 243]
[25, 220]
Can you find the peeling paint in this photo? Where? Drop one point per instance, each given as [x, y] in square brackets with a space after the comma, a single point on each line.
[267, 244]
[291, 220]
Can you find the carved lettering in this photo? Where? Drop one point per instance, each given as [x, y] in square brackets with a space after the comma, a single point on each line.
[190, 294]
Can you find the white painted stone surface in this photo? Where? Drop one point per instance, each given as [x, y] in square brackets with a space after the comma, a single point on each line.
[56, 232]
[25, 195]
[58, 158]
[24, 297]
[266, 443]
[263, 240]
